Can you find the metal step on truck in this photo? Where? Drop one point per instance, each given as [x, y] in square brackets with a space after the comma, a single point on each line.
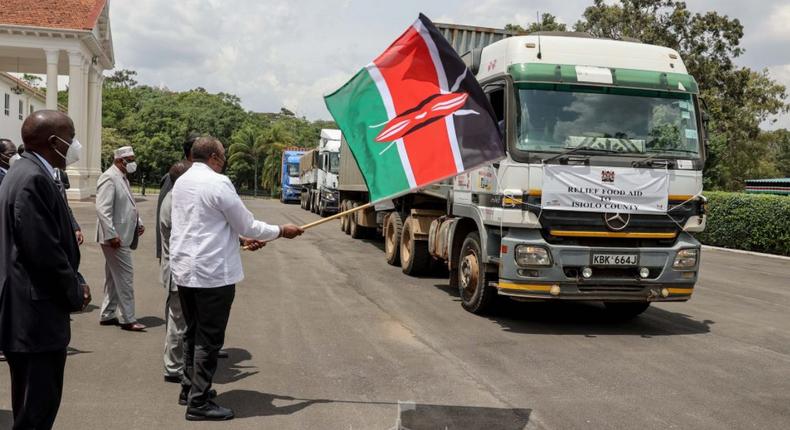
[579, 115]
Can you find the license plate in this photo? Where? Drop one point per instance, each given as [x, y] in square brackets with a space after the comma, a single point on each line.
[615, 259]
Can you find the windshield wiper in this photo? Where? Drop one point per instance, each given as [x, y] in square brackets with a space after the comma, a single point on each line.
[580, 148]
[655, 153]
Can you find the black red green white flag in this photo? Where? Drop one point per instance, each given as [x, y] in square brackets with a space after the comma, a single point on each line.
[415, 115]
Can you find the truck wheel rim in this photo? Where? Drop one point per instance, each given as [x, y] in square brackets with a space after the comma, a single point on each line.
[405, 250]
[390, 242]
[469, 275]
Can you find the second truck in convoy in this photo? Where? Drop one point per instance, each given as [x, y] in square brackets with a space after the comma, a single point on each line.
[563, 101]
[318, 169]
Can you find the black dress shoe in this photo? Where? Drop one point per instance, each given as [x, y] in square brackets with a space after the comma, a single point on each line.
[209, 411]
[222, 354]
[175, 379]
[184, 395]
[111, 321]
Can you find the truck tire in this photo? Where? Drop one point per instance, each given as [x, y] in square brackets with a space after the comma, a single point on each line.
[354, 229]
[322, 210]
[313, 202]
[476, 295]
[301, 200]
[347, 228]
[344, 218]
[414, 256]
[392, 233]
[624, 311]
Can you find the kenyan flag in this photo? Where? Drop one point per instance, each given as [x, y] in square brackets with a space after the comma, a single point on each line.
[415, 115]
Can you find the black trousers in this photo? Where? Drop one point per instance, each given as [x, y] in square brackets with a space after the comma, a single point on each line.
[206, 312]
[36, 387]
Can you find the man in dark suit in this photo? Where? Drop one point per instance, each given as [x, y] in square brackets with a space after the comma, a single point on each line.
[7, 156]
[39, 284]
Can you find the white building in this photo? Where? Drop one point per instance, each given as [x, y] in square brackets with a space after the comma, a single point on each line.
[59, 37]
[17, 101]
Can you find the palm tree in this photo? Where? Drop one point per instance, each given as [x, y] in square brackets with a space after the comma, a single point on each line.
[248, 146]
[276, 139]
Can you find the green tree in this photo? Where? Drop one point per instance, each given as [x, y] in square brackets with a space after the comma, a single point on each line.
[276, 139]
[246, 155]
[32, 80]
[738, 99]
[548, 22]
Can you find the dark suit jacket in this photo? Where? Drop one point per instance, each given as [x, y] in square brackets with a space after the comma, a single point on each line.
[39, 258]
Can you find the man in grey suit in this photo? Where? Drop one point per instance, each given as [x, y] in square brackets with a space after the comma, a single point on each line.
[117, 232]
[175, 325]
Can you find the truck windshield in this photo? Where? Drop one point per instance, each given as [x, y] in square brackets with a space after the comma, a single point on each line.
[334, 162]
[293, 169]
[555, 118]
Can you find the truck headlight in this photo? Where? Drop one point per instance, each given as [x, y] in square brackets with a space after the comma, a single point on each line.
[528, 255]
[686, 259]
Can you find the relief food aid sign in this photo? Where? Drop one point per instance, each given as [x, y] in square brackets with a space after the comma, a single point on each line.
[605, 189]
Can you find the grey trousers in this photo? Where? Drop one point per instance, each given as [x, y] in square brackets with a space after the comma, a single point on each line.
[118, 285]
[174, 336]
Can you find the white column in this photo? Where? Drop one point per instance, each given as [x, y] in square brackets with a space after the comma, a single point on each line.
[93, 146]
[52, 78]
[86, 67]
[78, 173]
[75, 91]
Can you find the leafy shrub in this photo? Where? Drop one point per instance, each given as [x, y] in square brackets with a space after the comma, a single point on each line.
[752, 222]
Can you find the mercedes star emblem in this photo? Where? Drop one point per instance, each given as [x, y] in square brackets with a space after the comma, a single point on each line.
[616, 221]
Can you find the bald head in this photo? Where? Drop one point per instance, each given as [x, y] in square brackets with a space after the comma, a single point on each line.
[41, 125]
[49, 134]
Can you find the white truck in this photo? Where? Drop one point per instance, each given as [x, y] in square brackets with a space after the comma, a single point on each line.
[318, 169]
[567, 103]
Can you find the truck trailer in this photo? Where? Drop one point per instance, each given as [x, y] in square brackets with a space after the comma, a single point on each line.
[561, 99]
[318, 169]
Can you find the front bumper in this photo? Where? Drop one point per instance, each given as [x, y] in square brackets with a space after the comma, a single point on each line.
[563, 280]
[292, 193]
[330, 204]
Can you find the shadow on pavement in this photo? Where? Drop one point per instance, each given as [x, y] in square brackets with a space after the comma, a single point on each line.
[586, 318]
[73, 351]
[248, 403]
[6, 419]
[151, 322]
[418, 416]
[230, 369]
[88, 309]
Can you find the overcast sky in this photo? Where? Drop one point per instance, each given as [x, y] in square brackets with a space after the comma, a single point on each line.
[289, 53]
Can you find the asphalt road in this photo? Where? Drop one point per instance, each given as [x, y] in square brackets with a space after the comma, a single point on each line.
[325, 335]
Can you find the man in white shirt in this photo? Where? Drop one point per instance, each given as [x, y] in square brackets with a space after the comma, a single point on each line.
[209, 223]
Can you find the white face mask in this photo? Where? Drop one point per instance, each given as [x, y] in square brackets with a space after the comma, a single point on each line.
[131, 167]
[13, 159]
[73, 153]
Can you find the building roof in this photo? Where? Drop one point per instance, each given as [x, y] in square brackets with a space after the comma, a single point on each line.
[60, 14]
[33, 91]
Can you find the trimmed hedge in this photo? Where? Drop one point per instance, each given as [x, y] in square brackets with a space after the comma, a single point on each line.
[752, 222]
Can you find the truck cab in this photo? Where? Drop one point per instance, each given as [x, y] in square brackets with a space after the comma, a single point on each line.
[571, 99]
[290, 180]
[319, 170]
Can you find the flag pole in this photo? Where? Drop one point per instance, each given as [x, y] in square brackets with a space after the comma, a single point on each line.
[336, 216]
[331, 218]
